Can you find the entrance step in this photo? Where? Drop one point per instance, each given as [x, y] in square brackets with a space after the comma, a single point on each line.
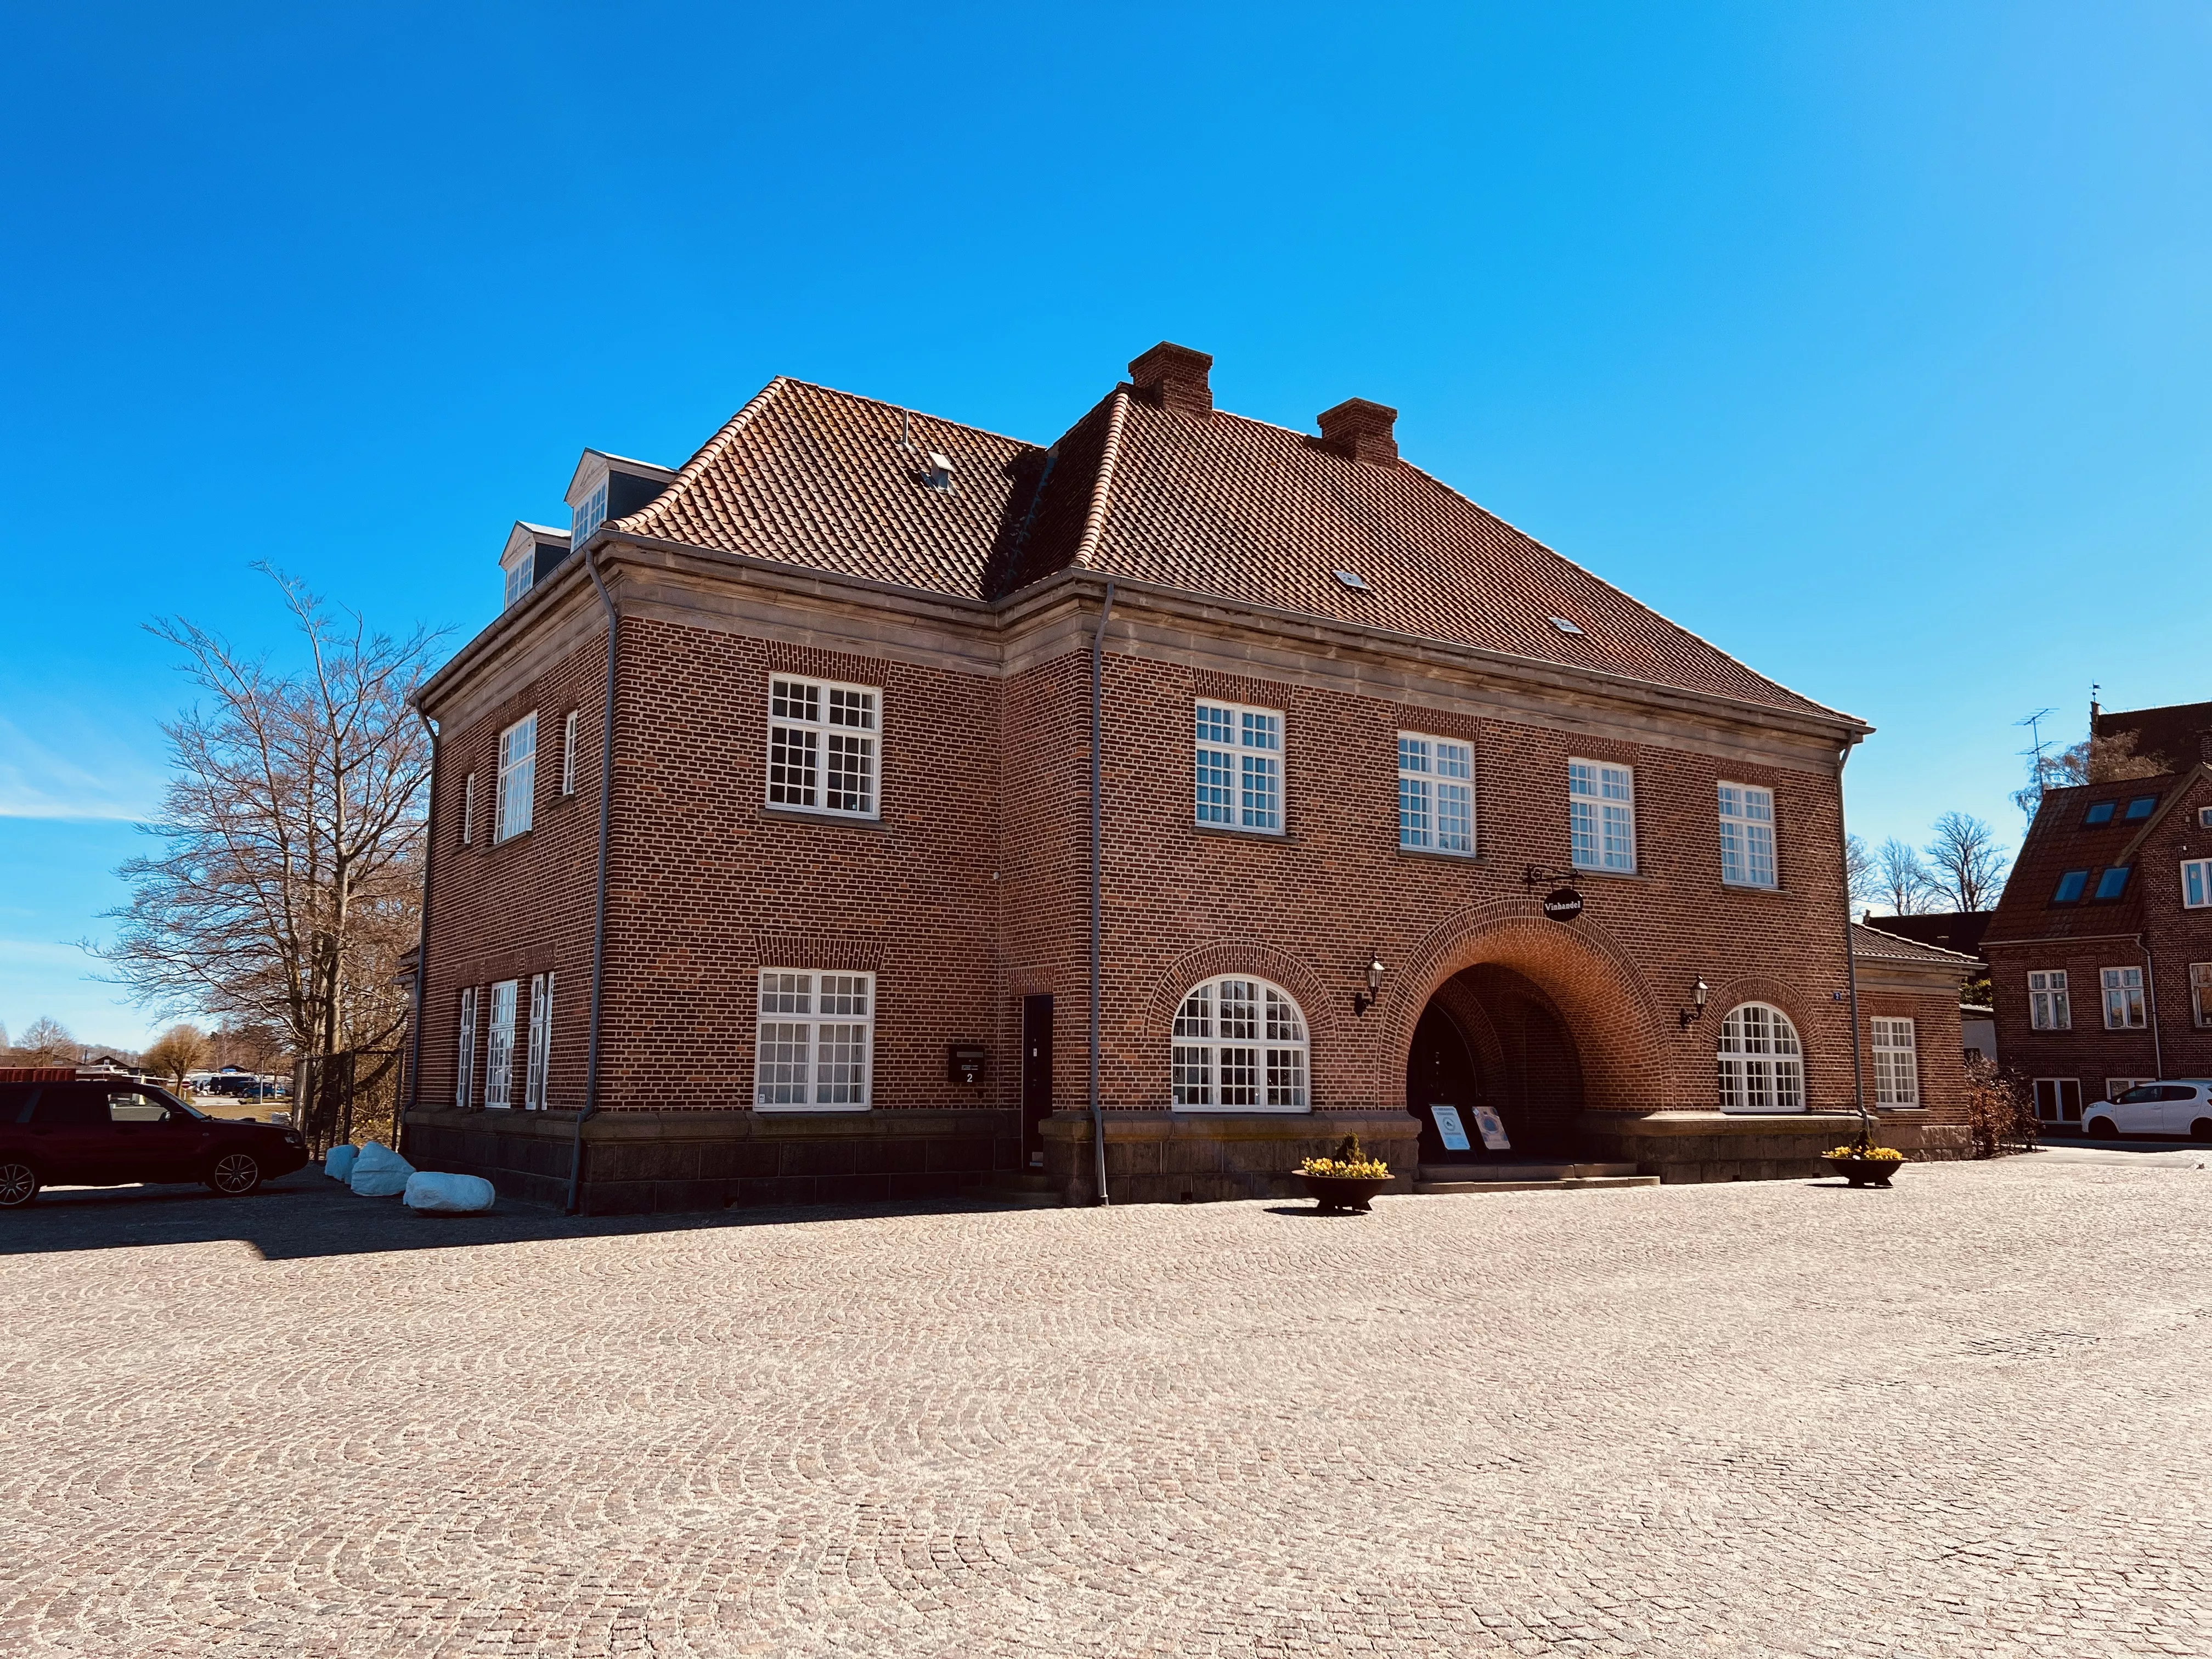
[1026, 1189]
[1446, 1178]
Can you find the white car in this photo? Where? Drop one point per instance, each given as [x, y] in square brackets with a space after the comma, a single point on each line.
[2182, 1108]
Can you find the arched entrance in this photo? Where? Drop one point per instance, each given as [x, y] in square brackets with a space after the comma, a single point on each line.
[1491, 1037]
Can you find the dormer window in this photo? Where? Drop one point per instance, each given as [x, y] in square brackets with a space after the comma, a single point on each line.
[532, 552]
[587, 516]
[521, 573]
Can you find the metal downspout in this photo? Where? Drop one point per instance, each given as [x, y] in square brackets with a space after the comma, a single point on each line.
[2150, 982]
[599, 891]
[1098, 846]
[421, 939]
[1851, 951]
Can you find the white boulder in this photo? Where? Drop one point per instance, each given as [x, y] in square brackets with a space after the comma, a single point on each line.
[338, 1163]
[448, 1194]
[379, 1172]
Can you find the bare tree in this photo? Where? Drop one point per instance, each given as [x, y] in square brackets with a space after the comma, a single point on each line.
[292, 827]
[47, 1042]
[1966, 867]
[2094, 760]
[1900, 880]
[177, 1050]
[1859, 874]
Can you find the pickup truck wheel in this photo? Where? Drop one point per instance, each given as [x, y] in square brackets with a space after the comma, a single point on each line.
[235, 1175]
[19, 1184]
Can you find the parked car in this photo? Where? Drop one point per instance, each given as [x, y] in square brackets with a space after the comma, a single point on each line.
[114, 1132]
[2182, 1106]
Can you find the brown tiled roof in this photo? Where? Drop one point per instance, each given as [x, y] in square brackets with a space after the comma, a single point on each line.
[1872, 945]
[1949, 930]
[2058, 841]
[1217, 505]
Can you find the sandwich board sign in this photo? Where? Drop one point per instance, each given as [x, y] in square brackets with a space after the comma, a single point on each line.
[1450, 1126]
[1493, 1129]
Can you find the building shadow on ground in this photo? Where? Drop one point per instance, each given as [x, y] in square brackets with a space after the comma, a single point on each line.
[306, 1214]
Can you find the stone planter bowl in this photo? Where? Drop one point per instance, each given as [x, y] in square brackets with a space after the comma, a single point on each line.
[1865, 1171]
[1343, 1194]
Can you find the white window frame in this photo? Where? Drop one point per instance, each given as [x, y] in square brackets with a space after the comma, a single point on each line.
[2123, 996]
[1601, 815]
[2197, 884]
[816, 728]
[498, 1047]
[469, 809]
[1435, 794]
[2057, 1087]
[814, 1041]
[2049, 1005]
[1747, 818]
[522, 575]
[1762, 1061]
[568, 754]
[1896, 1064]
[2200, 992]
[1240, 1044]
[587, 515]
[538, 1064]
[464, 1051]
[1239, 780]
[517, 794]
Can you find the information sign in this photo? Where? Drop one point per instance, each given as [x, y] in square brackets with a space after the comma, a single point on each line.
[1450, 1126]
[1492, 1128]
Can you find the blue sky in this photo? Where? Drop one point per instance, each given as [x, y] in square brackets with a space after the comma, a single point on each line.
[1868, 341]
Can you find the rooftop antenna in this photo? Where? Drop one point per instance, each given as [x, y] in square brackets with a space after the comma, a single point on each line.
[2034, 724]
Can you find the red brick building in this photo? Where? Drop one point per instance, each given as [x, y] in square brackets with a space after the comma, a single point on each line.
[2100, 951]
[1191, 778]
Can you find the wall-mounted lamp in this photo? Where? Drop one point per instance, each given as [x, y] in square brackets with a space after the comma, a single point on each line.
[1698, 992]
[1362, 1000]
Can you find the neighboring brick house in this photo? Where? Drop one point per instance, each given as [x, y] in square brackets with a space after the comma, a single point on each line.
[870, 929]
[2101, 953]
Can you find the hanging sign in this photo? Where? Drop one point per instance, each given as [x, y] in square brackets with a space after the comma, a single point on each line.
[1563, 904]
[1492, 1128]
[1450, 1126]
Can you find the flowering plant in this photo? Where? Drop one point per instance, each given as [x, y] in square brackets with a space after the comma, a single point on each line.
[1873, 1154]
[1349, 1164]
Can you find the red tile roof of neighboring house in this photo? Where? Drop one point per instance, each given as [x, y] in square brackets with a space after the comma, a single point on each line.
[1870, 943]
[1213, 504]
[2060, 840]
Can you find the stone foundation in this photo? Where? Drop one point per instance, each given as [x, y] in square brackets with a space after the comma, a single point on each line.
[635, 1163]
[1691, 1147]
[1169, 1157]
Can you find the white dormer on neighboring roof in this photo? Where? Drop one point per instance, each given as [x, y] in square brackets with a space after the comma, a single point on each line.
[530, 553]
[610, 487]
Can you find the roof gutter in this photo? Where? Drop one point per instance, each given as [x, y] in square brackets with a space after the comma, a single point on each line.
[2150, 985]
[1097, 864]
[599, 886]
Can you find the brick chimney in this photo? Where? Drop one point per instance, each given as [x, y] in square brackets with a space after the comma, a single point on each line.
[1174, 378]
[1360, 431]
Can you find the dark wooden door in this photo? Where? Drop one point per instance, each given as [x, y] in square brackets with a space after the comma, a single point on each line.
[1036, 1074]
[1439, 1070]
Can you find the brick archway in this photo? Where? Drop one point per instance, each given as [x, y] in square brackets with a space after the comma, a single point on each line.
[1612, 1016]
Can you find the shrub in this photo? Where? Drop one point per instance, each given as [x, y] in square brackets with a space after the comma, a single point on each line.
[1349, 1163]
[2000, 1109]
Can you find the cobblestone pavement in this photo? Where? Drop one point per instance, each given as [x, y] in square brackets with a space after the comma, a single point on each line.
[1969, 1415]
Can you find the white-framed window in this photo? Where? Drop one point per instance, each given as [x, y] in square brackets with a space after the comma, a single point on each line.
[2204, 817]
[2058, 1099]
[464, 1051]
[816, 1045]
[522, 575]
[2197, 885]
[587, 516]
[822, 746]
[2200, 992]
[1896, 1064]
[1436, 794]
[469, 809]
[2048, 1008]
[1746, 836]
[1762, 1068]
[499, 1048]
[1240, 767]
[568, 754]
[2123, 999]
[518, 778]
[1601, 815]
[540, 1059]
[1239, 1046]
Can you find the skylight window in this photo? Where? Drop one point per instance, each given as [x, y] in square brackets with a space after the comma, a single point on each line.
[2099, 813]
[2142, 807]
[1351, 579]
[2113, 882]
[2069, 887]
[1565, 626]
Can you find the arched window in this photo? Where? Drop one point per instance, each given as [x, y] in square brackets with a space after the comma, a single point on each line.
[1240, 1046]
[1762, 1067]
